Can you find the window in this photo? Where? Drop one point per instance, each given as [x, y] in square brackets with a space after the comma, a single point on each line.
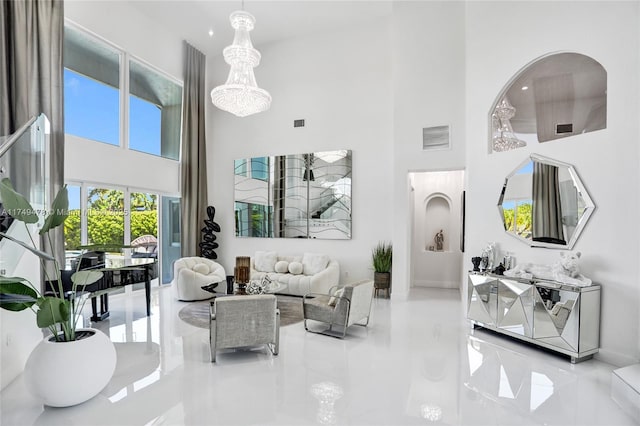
[144, 126]
[105, 216]
[94, 103]
[115, 98]
[144, 224]
[155, 112]
[72, 226]
[91, 88]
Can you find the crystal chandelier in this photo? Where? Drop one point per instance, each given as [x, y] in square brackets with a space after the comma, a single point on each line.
[240, 95]
[503, 137]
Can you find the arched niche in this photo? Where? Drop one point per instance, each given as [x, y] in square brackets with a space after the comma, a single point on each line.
[437, 218]
[555, 96]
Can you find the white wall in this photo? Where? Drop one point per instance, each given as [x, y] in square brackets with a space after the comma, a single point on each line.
[19, 333]
[501, 38]
[428, 56]
[340, 84]
[96, 162]
[431, 268]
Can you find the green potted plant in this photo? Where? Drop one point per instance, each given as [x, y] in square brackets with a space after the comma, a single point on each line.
[381, 257]
[62, 368]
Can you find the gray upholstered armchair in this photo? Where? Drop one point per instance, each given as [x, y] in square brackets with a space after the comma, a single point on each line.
[241, 321]
[344, 306]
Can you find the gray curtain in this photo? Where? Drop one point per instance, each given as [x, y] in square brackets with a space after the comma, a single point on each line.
[31, 78]
[547, 207]
[194, 158]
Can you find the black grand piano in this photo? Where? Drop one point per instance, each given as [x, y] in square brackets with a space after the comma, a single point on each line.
[117, 273]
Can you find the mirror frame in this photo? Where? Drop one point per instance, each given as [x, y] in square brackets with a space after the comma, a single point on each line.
[590, 206]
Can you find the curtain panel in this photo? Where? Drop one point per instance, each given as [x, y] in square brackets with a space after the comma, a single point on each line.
[31, 80]
[547, 206]
[194, 158]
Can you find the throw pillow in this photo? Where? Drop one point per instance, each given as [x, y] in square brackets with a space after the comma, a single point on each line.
[313, 263]
[334, 299]
[265, 261]
[295, 268]
[201, 268]
[282, 267]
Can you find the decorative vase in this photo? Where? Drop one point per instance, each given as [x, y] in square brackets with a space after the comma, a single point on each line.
[63, 374]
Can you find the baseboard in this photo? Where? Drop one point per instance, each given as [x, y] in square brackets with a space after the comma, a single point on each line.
[625, 389]
[615, 358]
[436, 284]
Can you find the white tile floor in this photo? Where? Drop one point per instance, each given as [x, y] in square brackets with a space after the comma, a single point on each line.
[418, 362]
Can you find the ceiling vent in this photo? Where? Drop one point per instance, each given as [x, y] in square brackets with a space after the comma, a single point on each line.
[298, 123]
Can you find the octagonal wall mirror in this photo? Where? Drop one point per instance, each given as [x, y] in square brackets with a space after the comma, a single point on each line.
[555, 96]
[544, 203]
[304, 195]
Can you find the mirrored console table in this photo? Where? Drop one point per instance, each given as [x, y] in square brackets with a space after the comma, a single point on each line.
[560, 317]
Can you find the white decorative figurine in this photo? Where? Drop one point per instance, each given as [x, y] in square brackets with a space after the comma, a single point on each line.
[564, 270]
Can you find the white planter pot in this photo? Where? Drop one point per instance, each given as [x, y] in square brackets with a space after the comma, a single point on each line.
[69, 373]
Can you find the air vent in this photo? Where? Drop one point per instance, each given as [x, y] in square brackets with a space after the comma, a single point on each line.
[564, 128]
[298, 123]
[435, 138]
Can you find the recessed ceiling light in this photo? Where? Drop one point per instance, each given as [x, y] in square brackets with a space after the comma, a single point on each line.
[210, 33]
[525, 87]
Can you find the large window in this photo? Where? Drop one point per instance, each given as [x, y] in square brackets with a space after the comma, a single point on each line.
[91, 88]
[96, 108]
[115, 98]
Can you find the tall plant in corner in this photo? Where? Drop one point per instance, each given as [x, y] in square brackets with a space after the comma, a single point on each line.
[53, 311]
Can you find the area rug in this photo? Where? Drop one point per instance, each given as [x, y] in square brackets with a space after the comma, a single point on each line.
[197, 313]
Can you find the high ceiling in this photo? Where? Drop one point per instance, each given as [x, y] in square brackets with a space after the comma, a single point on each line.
[275, 20]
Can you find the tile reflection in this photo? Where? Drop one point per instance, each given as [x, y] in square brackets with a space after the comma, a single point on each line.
[327, 393]
[512, 380]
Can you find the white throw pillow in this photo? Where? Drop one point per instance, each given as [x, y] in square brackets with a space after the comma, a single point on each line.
[295, 268]
[201, 268]
[265, 261]
[313, 263]
[282, 267]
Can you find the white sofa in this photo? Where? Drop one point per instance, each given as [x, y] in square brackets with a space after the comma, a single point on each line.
[309, 273]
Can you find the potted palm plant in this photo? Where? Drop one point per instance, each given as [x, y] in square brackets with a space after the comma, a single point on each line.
[73, 364]
[382, 255]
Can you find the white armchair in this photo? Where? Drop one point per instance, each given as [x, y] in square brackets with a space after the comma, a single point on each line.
[242, 321]
[344, 306]
[190, 274]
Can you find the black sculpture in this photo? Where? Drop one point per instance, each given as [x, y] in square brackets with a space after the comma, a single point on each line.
[208, 244]
[476, 263]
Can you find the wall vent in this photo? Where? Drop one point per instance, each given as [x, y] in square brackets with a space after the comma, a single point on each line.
[564, 128]
[298, 123]
[435, 138]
